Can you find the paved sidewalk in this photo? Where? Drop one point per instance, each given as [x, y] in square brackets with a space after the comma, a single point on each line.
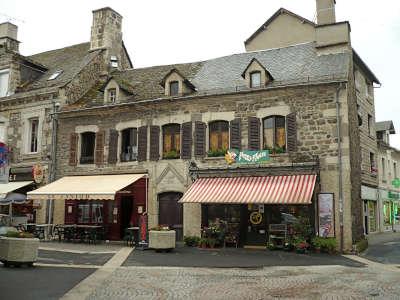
[384, 248]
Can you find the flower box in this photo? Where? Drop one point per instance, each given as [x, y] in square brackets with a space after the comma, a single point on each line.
[18, 250]
[162, 239]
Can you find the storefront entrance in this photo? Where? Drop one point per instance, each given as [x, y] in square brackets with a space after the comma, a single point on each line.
[171, 212]
[256, 231]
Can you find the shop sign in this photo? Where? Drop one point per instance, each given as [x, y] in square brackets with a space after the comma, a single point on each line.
[396, 183]
[326, 219]
[246, 156]
[38, 173]
[393, 195]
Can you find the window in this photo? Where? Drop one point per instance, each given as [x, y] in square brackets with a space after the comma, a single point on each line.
[33, 135]
[370, 127]
[112, 95]
[55, 75]
[2, 132]
[129, 149]
[218, 138]
[4, 76]
[87, 147]
[173, 88]
[274, 134]
[395, 170]
[369, 88]
[255, 79]
[90, 212]
[83, 213]
[383, 169]
[379, 135]
[171, 141]
[372, 163]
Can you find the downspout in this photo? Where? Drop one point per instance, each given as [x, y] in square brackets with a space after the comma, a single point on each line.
[339, 135]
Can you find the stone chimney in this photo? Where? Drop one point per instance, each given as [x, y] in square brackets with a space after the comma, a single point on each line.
[106, 34]
[8, 36]
[326, 12]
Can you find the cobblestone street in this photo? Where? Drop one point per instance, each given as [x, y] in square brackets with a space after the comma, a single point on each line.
[317, 282]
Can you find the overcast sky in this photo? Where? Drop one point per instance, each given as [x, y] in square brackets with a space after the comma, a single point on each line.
[159, 32]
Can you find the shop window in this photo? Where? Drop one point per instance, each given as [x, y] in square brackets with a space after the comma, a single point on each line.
[174, 88]
[4, 78]
[90, 212]
[129, 149]
[87, 147]
[372, 216]
[112, 95]
[372, 164]
[171, 141]
[33, 135]
[255, 79]
[387, 213]
[83, 213]
[218, 138]
[274, 134]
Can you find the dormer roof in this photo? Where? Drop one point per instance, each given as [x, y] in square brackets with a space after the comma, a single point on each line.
[185, 80]
[267, 73]
[385, 126]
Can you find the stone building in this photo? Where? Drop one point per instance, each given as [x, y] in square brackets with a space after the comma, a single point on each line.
[300, 92]
[383, 214]
[33, 87]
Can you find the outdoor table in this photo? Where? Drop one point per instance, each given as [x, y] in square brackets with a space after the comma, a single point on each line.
[88, 233]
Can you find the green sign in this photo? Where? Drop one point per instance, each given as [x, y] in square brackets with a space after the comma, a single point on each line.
[396, 183]
[393, 195]
[246, 156]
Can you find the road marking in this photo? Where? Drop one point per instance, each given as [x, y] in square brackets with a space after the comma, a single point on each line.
[83, 289]
[371, 263]
[67, 266]
[77, 251]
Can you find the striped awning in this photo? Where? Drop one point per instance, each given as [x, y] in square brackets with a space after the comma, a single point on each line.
[296, 189]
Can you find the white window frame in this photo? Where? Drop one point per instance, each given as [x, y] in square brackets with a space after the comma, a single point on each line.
[26, 135]
[6, 71]
[30, 134]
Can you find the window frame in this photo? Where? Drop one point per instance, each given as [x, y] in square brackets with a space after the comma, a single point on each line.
[274, 128]
[220, 151]
[5, 72]
[172, 129]
[112, 98]
[132, 144]
[81, 145]
[370, 125]
[170, 84]
[33, 137]
[372, 163]
[251, 79]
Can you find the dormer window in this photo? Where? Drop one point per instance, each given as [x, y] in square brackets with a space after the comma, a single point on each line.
[174, 88]
[255, 79]
[55, 75]
[112, 95]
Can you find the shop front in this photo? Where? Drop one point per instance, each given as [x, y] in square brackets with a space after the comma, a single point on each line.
[252, 210]
[369, 197]
[114, 202]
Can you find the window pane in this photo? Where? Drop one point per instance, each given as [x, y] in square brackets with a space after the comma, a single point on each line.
[268, 135]
[255, 79]
[225, 140]
[219, 135]
[171, 139]
[83, 213]
[4, 83]
[33, 135]
[280, 138]
[87, 147]
[129, 144]
[173, 88]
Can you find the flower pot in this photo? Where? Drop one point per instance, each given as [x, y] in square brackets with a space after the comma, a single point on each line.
[317, 250]
[18, 250]
[300, 251]
[162, 240]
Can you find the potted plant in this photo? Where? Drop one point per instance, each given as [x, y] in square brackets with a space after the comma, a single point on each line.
[203, 243]
[18, 248]
[301, 245]
[271, 246]
[191, 241]
[162, 238]
[216, 152]
[211, 242]
[316, 243]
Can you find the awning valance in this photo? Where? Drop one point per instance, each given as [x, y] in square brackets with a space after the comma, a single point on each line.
[9, 187]
[296, 189]
[99, 187]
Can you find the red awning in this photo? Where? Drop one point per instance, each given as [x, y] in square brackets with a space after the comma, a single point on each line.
[296, 189]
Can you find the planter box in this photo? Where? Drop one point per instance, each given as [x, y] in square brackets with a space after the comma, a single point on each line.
[17, 250]
[163, 240]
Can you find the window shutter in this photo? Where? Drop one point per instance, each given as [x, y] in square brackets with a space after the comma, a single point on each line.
[154, 143]
[99, 150]
[73, 149]
[200, 139]
[235, 132]
[142, 143]
[186, 152]
[291, 126]
[254, 133]
[113, 147]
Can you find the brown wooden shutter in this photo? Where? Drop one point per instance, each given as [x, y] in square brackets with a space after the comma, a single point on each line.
[200, 139]
[113, 147]
[73, 149]
[142, 143]
[99, 150]
[235, 133]
[254, 133]
[186, 151]
[291, 127]
[154, 143]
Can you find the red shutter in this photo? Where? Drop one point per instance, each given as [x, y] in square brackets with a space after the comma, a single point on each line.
[200, 139]
[235, 134]
[254, 133]
[113, 147]
[186, 152]
[73, 149]
[154, 143]
[142, 143]
[99, 150]
[291, 126]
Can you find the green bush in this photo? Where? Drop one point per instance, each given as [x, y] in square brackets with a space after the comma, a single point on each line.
[191, 241]
[325, 244]
[361, 245]
[216, 152]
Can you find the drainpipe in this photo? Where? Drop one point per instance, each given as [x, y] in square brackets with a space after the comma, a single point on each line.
[339, 135]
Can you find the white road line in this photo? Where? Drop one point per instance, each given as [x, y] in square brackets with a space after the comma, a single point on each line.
[83, 289]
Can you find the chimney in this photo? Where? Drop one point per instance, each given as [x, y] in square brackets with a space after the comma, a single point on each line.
[8, 36]
[106, 34]
[326, 12]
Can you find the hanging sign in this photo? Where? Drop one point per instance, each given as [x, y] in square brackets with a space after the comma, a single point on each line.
[326, 215]
[37, 173]
[246, 156]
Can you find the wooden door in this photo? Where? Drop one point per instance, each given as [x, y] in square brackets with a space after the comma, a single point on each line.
[171, 212]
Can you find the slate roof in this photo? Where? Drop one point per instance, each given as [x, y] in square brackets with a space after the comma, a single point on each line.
[294, 64]
[69, 59]
[385, 125]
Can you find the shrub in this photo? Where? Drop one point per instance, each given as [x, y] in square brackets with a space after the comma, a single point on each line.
[325, 244]
[191, 241]
[17, 234]
[216, 153]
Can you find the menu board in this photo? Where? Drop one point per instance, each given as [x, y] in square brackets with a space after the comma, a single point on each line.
[326, 218]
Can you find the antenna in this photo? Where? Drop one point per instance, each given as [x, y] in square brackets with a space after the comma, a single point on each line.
[12, 19]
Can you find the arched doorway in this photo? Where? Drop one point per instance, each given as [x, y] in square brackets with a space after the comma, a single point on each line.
[171, 212]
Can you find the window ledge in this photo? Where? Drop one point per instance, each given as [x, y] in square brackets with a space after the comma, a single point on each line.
[215, 158]
[86, 165]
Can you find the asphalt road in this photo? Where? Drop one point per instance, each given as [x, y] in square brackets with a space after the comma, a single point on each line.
[39, 283]
[385, 251]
